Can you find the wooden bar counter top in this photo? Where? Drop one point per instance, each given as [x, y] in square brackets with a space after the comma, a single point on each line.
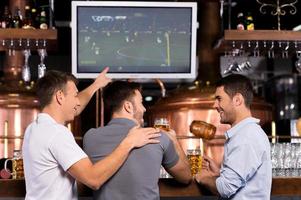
[286, 186]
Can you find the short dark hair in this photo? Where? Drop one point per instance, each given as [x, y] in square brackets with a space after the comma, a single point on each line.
[236, 83]
[115, 93]
[50, 83]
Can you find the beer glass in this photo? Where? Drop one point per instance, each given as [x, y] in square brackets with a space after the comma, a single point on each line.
[162, 123]
[195, 160]
[17, 165]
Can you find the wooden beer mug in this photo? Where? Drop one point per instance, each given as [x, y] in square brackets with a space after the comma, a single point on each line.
[202, 129]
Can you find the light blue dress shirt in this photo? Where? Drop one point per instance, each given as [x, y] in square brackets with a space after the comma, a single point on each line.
[246, 171]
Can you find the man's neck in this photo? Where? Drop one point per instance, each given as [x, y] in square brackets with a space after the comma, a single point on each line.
[241, 116]
[125, 116]
[55, 114]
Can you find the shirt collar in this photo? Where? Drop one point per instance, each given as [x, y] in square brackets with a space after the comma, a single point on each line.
[122, 121]
[231, 132]
[44, 117]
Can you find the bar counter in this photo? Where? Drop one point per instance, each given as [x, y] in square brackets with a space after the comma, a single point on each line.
[168, 188]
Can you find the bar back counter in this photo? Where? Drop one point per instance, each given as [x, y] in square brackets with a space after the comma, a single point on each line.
[282, 189]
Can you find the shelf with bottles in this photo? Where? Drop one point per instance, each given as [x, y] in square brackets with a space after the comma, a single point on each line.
[269, 43]
[19, 39]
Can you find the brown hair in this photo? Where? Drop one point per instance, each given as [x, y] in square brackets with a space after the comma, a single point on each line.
[115, 93]
[50, 83]
[236, 83]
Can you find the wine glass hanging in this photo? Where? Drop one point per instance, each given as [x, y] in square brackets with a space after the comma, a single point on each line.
[26, 45]
[42, 66]
[26, 75]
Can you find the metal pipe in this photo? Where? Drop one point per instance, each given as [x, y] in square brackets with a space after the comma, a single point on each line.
[229, 14]
[97, 109]
[101, 109]
[163, 90]
[5, 152]
[51, 11]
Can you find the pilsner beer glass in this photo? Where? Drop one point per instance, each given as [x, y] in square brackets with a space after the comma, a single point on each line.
[195, 160]
[162, 123]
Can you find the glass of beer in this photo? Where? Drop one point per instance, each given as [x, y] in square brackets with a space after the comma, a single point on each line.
[162, 123]
[195, 160]
[17, 165]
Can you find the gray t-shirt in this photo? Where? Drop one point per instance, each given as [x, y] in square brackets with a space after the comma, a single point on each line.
[138, 177]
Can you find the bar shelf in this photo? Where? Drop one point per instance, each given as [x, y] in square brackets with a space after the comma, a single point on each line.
[261, 42]
[18, 39]
[264, 35]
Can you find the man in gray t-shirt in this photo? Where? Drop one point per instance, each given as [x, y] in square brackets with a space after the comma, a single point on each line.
[138, 177]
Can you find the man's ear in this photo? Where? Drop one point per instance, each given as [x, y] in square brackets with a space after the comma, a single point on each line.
[128, 107]
[59, 96]
[238, 99]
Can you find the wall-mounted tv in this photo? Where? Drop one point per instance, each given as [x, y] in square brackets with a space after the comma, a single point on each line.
[135, 39]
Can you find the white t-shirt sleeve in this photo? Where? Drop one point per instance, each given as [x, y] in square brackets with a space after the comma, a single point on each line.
[65, 150]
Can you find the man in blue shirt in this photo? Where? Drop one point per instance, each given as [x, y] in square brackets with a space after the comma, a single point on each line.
[246, 171]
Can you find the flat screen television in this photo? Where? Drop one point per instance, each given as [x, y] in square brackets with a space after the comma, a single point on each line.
[135, 39]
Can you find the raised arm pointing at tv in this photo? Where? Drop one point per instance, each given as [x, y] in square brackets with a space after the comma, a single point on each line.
[86, 95]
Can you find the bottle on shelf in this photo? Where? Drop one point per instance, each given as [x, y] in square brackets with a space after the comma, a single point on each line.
[43, 19]
[2, 6]
[1, 16]
[28, 21]
[240, 21]
[35, 18]
[249, 22]
[17, 19]
[7, 21]
[47, 6]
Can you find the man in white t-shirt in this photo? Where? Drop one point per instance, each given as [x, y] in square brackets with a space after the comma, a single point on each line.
[52, 159]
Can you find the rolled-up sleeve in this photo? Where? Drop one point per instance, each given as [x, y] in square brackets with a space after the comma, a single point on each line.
[228, 183]
[240, 165]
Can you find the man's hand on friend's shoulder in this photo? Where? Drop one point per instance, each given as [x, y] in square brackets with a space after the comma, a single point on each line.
[139, 137]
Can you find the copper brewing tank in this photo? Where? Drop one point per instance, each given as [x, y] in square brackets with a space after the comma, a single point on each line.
[17, 110]
[196, 103]
[18, 104]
